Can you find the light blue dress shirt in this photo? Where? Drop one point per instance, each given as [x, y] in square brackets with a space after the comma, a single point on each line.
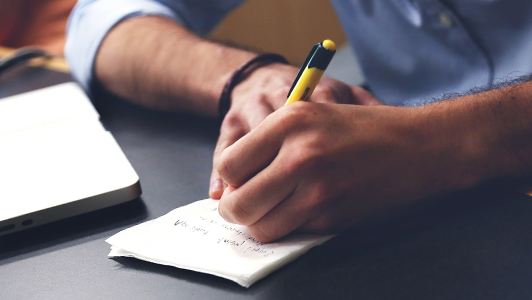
[409, 50]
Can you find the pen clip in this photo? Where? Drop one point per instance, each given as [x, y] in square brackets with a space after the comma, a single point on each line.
[303, 67]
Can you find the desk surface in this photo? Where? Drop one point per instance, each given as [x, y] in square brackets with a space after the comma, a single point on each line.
[476, 245]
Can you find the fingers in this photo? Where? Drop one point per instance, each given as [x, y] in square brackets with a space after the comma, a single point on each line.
[274, 214]
[269, 171]
[217, 185]
[234, 126]
[288, 216]
[270, 204]
[251, 153]
[248, 203]
[230, 132]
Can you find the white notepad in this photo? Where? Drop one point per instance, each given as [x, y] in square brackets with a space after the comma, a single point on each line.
[195, 237]
[57, 160]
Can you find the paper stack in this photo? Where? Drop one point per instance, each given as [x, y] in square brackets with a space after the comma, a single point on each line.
[195, 237]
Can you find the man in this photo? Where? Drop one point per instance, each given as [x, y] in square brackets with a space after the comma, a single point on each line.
[323, 167]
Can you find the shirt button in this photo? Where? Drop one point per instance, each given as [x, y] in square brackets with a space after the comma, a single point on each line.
[445, 20]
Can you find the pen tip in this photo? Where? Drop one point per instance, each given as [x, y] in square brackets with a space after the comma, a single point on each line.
[329, 45]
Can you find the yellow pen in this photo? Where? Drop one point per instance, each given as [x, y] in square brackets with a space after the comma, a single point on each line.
[311, 71]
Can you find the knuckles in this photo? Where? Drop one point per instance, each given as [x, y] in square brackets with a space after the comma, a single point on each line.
[233, 211]
[297, 116]
[223, 167]
[311, 156]
[327, 93]
[232, 120]
[322, 192]
[261, 234]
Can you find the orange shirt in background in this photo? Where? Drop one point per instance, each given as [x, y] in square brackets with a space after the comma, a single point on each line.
[40, 23]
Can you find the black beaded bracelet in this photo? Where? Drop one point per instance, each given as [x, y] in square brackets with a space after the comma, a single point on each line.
[242, 72]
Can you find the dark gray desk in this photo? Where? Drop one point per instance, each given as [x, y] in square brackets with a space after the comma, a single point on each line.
[477, 245]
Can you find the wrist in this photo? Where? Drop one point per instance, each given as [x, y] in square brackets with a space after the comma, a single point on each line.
[458, 143]
[206, 82]
[481, 137]
[241, 73]
[510, 109]
[270, 83]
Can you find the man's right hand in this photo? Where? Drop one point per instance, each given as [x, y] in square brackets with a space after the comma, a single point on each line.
[262, 93]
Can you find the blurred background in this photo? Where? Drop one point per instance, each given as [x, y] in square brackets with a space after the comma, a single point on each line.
[288, 27]
[38, 23]
[291, 28]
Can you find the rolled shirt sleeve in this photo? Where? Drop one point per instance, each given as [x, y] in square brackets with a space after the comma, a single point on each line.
[91, 20]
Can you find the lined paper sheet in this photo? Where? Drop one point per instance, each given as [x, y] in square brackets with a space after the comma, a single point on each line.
[195, 237]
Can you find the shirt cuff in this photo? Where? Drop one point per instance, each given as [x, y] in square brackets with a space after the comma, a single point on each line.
[90, 22]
